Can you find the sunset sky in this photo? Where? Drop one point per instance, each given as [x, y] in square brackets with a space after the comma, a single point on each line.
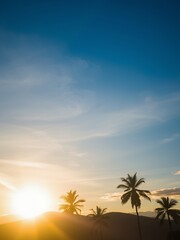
[89, 91]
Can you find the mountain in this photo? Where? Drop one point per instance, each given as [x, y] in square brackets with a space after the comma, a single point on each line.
[59, 226]
[8, 218]
[148, 214]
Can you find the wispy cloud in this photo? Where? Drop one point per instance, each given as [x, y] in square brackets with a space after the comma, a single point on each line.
[110, 197]
[37, 84]
[98, 124]
[24, 163]
[171, 138]
[16, 173]
[7, 185]
[177, 173]
[44, 90]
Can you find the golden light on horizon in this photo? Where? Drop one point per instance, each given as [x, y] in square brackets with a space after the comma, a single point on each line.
[30, 202]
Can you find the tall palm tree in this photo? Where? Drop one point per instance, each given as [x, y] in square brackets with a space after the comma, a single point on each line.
[166, 210]
[100, 219]
[130, 185]
[71, 205]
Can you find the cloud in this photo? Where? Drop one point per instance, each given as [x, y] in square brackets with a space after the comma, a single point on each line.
[42, 85]
[39, 112]
[156, 194]
[171, 138]
[25, 142]
[167, 192]
[101, 124]
[177, 173]
[7, 184]
[16, 173]
[110, 197]
[97, 179]
[38, 82]
[23, 163]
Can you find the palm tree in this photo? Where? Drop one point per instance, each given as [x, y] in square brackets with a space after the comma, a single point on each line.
[100, 219]
[166, 210]
[130, 185]
[71, 205]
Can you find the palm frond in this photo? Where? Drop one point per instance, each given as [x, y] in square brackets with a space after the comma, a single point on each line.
[71, 205]
[99, 212]
[63, 206]
[172, 203]
[79, 201]
[131, 180]
[122, 186]
[144, 195]
[146, 191]
[166, 209]
[159, 209]
[130, 184]
[135, 199]
[134, 178]
[159, 214]
[175, 215]
[162, 201]
[103, 211]
[125, 197]
[141, 180]
[162, 218]
[126, 181]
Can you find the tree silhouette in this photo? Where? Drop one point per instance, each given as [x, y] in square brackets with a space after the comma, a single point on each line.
[130, 185]
[71, 205]
[166, 210]
[100, 219]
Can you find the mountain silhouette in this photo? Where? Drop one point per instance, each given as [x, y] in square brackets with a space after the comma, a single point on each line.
[61, 226]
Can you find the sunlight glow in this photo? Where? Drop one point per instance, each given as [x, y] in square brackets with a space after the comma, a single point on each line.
[30, 202]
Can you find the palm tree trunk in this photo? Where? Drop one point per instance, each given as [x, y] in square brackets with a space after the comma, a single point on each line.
[139, 226]
[170, 226]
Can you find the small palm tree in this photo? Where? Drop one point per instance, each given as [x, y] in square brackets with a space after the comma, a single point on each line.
[130, 185]
[166, 210]
[71, 205]
[100, 219]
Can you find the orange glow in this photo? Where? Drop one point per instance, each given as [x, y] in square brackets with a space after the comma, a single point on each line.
[30, 202]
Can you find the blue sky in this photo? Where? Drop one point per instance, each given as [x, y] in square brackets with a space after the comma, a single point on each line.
[89, 91]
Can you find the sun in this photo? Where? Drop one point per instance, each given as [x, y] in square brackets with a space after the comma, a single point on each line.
[30, 202]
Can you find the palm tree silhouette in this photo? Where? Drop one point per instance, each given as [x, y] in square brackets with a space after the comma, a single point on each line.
[71, 205]
[131, 184]
[166, 210]
[100, 219]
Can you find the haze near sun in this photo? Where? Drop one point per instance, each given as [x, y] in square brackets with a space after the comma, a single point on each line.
[30, 202]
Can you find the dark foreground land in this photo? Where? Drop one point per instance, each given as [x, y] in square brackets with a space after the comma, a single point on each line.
[58, 226]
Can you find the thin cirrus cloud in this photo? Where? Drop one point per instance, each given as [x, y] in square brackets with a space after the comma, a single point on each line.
[34, 171]
[44, 108]
[37, 83]
[4, 183]
[38, 66]
[98, 124]
[88, 125]
[43, 89]
[23, 163]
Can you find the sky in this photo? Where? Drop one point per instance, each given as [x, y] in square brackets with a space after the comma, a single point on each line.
[89, 92]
